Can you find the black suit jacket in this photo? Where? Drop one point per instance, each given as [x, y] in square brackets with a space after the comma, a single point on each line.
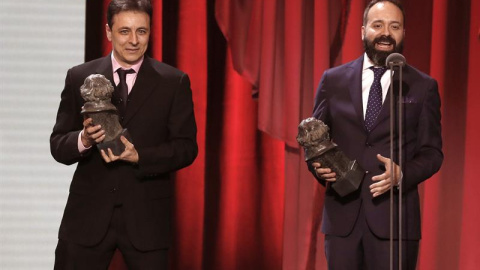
[160, 120]
[338, 103]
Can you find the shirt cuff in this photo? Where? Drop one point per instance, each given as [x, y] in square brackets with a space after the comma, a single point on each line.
[81, 147]
[400, 180]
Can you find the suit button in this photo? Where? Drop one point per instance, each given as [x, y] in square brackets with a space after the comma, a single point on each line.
[113, 190]
[368, 144]
[367, 172]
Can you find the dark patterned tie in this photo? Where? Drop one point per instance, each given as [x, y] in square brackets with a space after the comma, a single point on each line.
[374, 104]
[122, 90]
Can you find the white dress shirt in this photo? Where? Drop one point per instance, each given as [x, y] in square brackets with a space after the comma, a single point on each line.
[367, 81]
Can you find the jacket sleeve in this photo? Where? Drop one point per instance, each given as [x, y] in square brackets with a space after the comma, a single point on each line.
[428, 155]
[69, 123]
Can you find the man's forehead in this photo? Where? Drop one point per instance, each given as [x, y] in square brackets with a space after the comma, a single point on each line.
[384, 12]
[127, 17]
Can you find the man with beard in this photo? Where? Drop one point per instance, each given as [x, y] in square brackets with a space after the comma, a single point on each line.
[351, 101]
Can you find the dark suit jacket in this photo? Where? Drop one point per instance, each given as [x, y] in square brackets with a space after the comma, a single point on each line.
[161, 123]
[338, 103]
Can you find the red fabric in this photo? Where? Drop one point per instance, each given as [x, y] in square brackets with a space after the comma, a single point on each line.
[248, 201]
[432, 189]
[189, 184]
[267, 39]
[446, 194]
[469, 257]
[156, 34]
[244, 198]
[246, 54]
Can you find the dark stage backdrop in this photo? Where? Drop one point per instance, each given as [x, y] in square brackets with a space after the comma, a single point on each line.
[248, 201]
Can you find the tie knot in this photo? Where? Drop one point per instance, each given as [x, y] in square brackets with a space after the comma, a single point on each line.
[378, 71]
[122, 73]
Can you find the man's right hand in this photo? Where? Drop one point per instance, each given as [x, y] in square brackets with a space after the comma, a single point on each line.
[91, 134]
[324, 173]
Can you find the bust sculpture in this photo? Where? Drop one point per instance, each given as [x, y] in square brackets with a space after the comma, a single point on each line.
[313, 136]
[97, 92]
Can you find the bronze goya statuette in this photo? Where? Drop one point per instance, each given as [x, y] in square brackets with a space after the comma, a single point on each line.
[313, 136]
[97, 92]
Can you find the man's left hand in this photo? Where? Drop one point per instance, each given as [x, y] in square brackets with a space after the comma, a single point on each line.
[130, 154]
[384, 181]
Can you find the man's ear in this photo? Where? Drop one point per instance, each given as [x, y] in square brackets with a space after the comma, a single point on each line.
[363, 32]
[108, 31]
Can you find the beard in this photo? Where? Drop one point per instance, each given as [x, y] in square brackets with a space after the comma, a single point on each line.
[379, 57]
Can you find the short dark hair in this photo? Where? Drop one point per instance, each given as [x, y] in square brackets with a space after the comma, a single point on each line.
[374, 2]
[117, 6]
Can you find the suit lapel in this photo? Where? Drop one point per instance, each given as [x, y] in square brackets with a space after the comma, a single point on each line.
[105, 68]
[355, 77]
[385, 112]
[146, 82]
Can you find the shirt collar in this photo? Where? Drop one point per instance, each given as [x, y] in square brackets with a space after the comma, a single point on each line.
[367, 63]
[135, 67]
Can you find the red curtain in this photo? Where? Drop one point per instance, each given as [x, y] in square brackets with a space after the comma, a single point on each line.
[248, 201]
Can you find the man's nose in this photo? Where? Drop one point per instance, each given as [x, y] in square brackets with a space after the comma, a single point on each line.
[386, 31]
[134, 38]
